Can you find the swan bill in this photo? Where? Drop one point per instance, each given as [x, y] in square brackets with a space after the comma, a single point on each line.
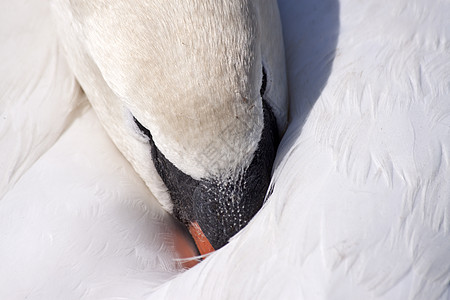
[202, 243]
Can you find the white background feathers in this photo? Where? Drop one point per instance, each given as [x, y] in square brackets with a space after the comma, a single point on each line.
[361, 201]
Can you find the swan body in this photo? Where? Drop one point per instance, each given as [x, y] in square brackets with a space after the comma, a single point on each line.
[360, 201]
[84, 237]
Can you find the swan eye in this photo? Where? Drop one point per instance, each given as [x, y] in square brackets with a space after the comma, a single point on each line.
[141, 127]
[262, 91]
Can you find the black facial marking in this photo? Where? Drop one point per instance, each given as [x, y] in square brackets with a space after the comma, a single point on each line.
[262, 91]
[221, 207]
[181, 187]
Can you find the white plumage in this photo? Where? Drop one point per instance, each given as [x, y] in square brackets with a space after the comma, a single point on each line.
[76, 222]
[361, 196]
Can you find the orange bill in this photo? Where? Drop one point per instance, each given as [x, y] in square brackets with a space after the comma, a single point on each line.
[203, 245]
[184, 248]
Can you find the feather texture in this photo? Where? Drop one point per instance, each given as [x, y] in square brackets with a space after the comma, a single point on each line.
[36, 86]
[361, 200]
[360, 207]
[76, 221]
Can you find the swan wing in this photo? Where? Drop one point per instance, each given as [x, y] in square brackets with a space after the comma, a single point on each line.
[36, 86]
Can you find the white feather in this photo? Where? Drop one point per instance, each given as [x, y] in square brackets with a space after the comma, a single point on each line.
[76, 221]
[361, 201]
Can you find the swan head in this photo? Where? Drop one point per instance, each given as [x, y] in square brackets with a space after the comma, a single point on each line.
[193, 94]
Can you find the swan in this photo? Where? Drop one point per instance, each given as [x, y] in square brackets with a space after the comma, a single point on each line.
[359, 207]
